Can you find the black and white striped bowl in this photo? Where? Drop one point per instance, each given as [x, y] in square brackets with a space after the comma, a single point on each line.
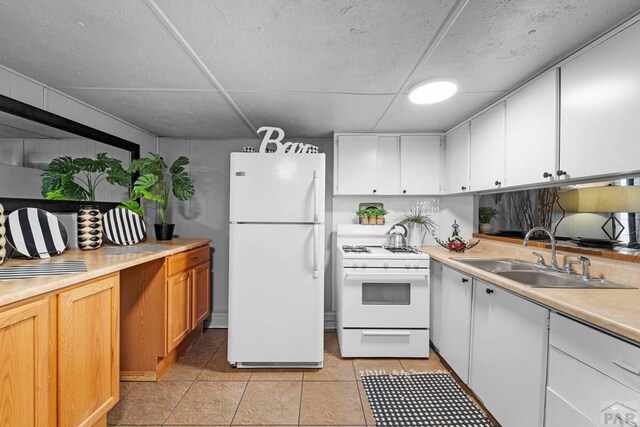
[36, 233]
[123, 227]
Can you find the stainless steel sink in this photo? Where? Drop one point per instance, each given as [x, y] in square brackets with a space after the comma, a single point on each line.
[550, 279]
[498, 264]
[537, 277]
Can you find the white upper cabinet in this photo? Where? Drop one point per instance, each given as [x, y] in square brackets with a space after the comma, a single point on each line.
[357, 164]
[386, 172]
[387, 164]
[531, 125]
[600, 100]
[456, 177]
[419, 164]
[487, 149]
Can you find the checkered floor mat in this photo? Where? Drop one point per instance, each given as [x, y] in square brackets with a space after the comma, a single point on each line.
[430, 399]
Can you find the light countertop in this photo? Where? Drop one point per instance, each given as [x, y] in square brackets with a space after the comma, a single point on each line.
[614, 310]
[98, 264]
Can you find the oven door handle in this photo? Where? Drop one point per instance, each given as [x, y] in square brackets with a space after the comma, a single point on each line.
[381, 276]
[386, 333]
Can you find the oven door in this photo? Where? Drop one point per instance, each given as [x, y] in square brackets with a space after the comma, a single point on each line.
[385, 298]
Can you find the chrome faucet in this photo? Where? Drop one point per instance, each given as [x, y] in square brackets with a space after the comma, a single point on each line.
[554, 261]
[584, 262]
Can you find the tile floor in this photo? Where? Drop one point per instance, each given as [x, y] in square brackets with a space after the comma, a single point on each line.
[201, 389]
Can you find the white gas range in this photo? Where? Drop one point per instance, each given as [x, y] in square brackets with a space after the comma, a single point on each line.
[382, 295]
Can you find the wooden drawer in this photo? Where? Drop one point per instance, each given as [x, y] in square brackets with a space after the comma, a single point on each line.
[595, 395]
[186, 260]
[616, 358]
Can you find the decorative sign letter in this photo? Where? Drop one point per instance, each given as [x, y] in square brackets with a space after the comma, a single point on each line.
[274, 136]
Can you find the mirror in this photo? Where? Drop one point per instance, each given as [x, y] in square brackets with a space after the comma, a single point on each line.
[602, 215]
[31, 138]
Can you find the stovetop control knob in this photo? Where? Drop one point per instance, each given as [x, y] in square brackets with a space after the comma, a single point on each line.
[407, 264]
[385, 264]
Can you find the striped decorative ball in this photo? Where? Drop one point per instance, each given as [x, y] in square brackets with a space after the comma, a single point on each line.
[89, 228]
[36, 233]
[3, 240]
[123, 227]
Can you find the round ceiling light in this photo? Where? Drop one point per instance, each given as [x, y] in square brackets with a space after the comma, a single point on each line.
[432, 91]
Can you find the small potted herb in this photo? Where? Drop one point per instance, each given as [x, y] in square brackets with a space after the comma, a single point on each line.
[362, 216]
[485, 215]
[380, 213]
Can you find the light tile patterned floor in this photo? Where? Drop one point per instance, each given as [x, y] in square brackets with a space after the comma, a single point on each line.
[201, 389]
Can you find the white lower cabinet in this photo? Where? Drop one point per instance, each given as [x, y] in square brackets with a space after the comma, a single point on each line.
[509, 355]
[435, 303]
[593, 377]
[455, 321]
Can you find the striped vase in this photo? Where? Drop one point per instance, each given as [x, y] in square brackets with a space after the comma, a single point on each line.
[89, 228]
[3, 240]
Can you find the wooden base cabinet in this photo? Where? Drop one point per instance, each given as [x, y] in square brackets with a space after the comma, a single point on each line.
[178, 308]
[509, 355]
[27, 365]
[188, 302]
[88, 351]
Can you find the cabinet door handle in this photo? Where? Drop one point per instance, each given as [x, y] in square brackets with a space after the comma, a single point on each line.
[626, 366]
[560, 172]
[498, 182]
[465, 280]
[386, 334]
[488, 291]
[547, 175]
[375, 191]
[404, 191]
[194, 258]
[463, 188]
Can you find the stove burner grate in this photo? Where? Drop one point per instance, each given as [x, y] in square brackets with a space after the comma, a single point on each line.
[349, 249]
[403, 250]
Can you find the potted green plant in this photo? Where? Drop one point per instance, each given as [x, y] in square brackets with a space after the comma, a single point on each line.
[68, 178]
[362, 216]
[380, 213]
[155, 183]
[485, 215]
[418, 222]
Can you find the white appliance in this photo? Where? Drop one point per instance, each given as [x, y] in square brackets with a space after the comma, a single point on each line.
[276, 260]
[382, 295]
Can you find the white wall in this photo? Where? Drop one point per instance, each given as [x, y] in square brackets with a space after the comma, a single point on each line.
[207, 215]
[460, 208]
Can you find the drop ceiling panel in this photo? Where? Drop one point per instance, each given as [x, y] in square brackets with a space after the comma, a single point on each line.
[170, 113]
[312, 114]
[308, 45]
[495, 45]
[78, 43]
[403, 116]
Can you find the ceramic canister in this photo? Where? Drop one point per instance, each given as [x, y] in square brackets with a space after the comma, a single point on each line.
[3, 240]
[89, 228]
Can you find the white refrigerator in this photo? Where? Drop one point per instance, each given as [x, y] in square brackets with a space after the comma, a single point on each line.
[276, 260]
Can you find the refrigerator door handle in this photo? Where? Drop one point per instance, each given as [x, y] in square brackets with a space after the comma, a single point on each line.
[316, 238]
[316, 194]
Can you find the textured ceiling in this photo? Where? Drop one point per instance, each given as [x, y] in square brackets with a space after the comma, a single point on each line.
[221, 69]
